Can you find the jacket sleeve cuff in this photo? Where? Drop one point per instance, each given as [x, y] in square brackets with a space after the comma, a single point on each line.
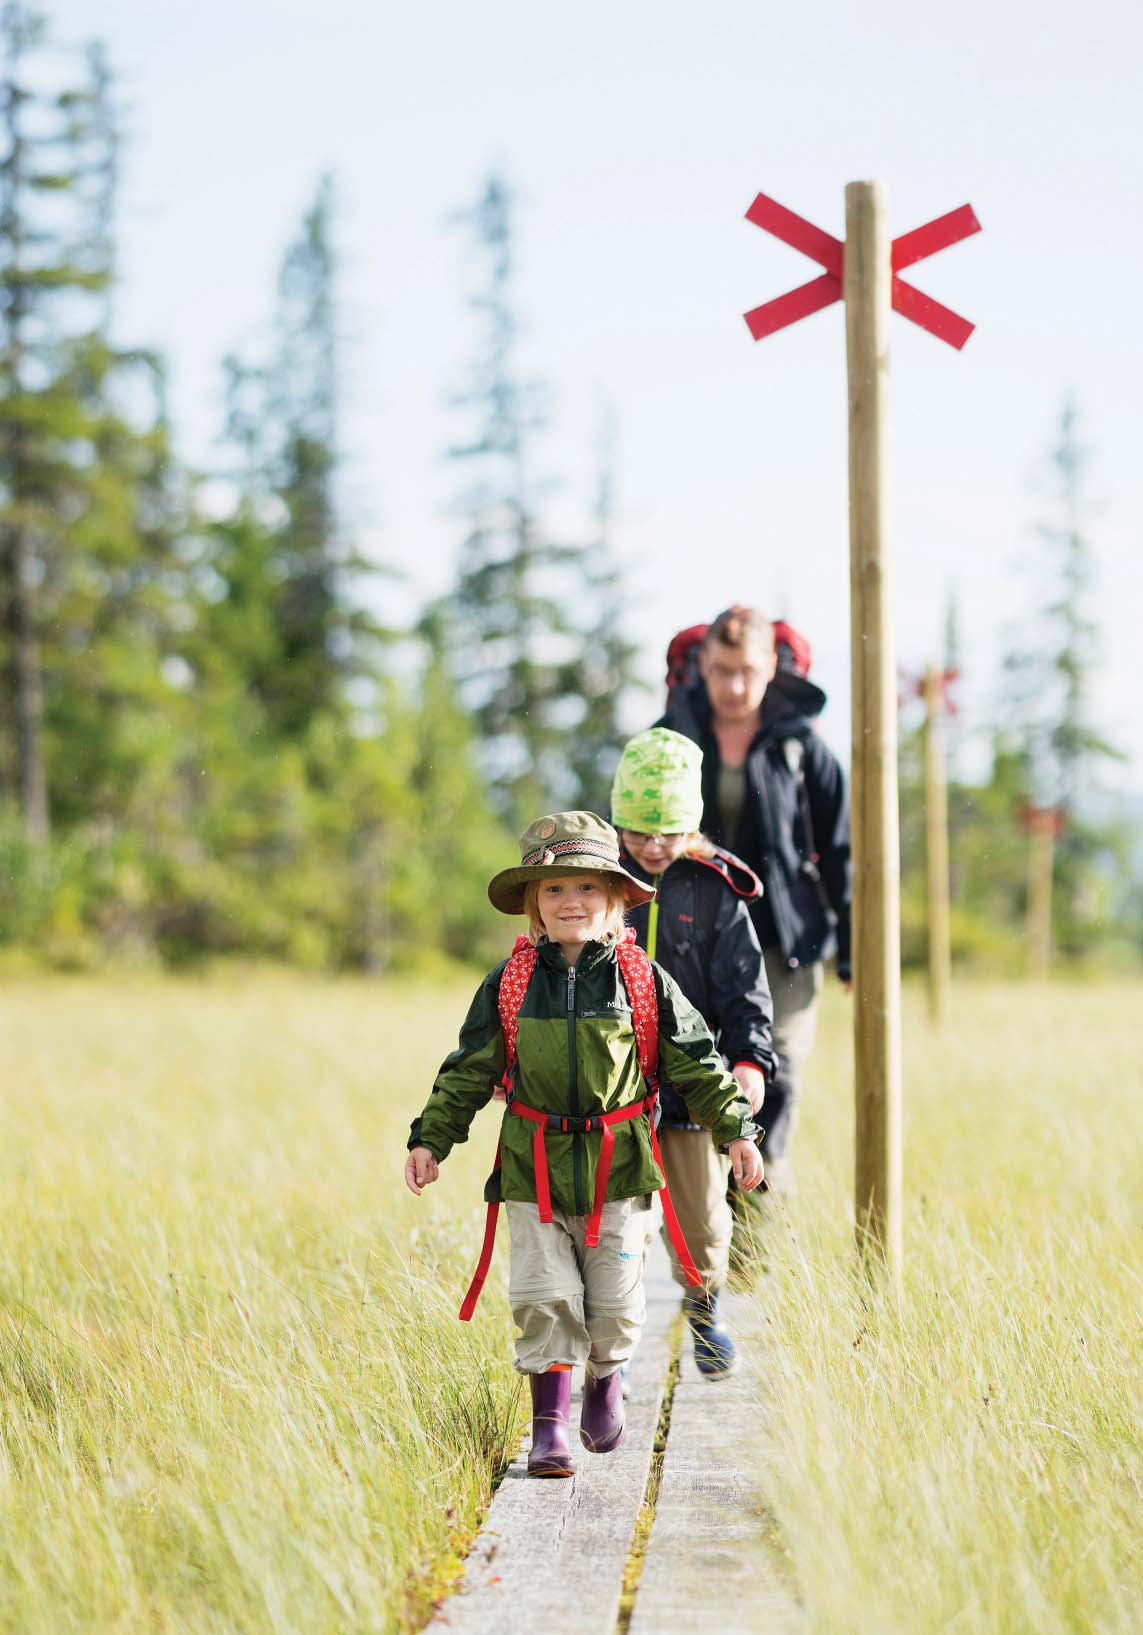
[758, 1066]
[751, 1130]
[416, 1139]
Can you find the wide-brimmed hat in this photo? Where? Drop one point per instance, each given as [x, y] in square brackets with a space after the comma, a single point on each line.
[657, 788]
[560, 844]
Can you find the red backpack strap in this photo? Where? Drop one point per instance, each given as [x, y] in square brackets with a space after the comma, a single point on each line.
[639, 980]
[739, 876]
[514, 982]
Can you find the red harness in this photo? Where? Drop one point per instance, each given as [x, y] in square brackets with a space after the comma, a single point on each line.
[639, 980]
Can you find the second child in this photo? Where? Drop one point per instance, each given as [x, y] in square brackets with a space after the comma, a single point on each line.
[699, 929]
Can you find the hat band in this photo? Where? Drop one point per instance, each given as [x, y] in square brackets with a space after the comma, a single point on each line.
[594, 848]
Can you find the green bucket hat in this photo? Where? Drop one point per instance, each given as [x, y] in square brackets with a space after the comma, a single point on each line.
[657, 789]
[561, 844]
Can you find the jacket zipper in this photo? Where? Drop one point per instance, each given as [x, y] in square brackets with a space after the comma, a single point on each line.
[573, 1096]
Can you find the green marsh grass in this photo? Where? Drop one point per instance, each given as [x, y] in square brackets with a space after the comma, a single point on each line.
[970, 1458]
[234, 1396]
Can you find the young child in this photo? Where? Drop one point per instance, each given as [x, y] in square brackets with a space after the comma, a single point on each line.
[699, 929]
[577, 1147]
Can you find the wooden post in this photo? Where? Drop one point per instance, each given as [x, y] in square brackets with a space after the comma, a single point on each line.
[876, 851]
[937, 844]
[1041, 861]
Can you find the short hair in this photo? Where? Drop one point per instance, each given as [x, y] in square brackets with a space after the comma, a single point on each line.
[616, 905]
[736, 625]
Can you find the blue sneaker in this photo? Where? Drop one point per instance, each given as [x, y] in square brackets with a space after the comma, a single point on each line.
[716, 1354]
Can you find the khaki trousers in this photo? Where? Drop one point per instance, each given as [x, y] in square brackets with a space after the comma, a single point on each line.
[796, 994]
[572, 1304]
[697, 1174]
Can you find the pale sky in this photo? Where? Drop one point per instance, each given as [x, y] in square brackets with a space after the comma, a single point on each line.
[638, 134]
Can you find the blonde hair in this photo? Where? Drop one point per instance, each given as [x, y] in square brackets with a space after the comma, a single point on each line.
[613, 925]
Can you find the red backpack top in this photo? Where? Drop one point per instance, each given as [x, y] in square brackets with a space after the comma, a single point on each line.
[794, 653]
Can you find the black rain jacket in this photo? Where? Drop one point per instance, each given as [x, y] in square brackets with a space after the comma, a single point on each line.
[794, 828]
[706, 941]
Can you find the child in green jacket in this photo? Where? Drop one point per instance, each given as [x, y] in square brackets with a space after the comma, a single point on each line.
[578, 1163]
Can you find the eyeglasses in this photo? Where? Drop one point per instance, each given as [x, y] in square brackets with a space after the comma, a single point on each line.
[631, 838]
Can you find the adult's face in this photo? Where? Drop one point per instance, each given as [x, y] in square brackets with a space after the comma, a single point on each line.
[737, 677]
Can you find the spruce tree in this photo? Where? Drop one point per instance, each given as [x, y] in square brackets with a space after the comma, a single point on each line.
[85, 503]
[511, 630]
[1049, 681]
[284, 550]
[604, 673]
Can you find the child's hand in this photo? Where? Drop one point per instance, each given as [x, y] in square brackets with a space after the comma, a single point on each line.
[746, 1164]
[420, 1168]
[752, 1083]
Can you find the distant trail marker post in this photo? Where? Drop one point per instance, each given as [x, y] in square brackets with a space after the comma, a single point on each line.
[1044, 825]
[864, 272]
[934, 690]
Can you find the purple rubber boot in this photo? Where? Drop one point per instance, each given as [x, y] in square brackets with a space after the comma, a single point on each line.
[601, 1420]
[551, 1400]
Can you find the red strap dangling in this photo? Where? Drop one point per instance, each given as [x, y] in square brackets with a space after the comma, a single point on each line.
[540, 1165]
[674, 1230]
[468, 1305]
[602, 1176]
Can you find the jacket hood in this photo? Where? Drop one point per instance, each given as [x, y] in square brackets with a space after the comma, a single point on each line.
[790, 699]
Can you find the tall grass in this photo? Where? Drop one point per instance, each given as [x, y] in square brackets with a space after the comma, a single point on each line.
[970, 1458]
[234, 1395]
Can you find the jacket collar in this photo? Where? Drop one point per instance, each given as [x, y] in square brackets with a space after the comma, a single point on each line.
[594, 953]
[791, 703]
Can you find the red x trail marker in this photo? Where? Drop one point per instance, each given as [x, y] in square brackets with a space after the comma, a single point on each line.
[829, 252]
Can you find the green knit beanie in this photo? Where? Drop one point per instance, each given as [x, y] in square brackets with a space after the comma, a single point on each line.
[657, 788]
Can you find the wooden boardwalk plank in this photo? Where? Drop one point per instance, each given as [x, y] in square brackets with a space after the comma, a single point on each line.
[706, 1565]
[551, 1554]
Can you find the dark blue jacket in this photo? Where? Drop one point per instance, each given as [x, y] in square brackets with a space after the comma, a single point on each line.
[794, 828]
[706, 941]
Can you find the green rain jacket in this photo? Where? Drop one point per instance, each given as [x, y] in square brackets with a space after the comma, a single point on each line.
[576, 1055]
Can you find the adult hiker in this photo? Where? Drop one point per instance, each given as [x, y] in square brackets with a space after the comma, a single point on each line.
[576, 1024]
[699, 929]
[776, 795]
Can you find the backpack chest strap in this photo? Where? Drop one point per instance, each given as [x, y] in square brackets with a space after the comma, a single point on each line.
[562, 1125]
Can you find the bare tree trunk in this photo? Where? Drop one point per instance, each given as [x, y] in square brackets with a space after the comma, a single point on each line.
[19, 556]
[27, 688]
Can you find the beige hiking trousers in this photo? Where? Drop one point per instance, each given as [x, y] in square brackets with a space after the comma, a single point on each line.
[572, 1304]
[697, 1173]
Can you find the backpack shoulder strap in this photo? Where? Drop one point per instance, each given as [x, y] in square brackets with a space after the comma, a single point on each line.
[736, 874]
[514, 980]
[639, 980]
[794, 754]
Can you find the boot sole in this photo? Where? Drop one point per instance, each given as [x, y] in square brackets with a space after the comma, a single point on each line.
[543, 1471]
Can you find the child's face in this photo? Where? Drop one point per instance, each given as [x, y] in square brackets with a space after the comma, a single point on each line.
[573, 908]
[655, 853]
